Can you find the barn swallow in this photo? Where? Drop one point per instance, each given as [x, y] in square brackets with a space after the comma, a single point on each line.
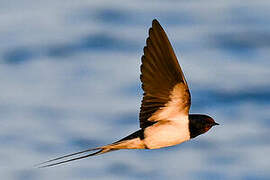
[164, 113]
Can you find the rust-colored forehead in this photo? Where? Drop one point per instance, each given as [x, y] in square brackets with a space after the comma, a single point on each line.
[209, 119]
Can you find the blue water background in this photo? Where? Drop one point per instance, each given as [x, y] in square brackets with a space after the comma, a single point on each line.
[69, 80]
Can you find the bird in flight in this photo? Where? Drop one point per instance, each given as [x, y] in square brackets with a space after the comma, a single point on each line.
[164, 113]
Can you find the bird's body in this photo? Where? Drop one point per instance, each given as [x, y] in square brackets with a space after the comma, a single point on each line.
[164, 114]
[166, 133]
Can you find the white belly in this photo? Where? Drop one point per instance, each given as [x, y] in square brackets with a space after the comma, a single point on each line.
[166, 133]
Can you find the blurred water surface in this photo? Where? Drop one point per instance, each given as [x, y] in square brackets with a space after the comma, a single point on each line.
[69, 75]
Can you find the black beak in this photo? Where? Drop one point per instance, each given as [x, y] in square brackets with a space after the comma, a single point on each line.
[215, 124]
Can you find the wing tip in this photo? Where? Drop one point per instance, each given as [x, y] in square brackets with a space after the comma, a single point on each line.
[154, 22]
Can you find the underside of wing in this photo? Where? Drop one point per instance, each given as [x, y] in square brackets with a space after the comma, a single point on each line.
[166, 92]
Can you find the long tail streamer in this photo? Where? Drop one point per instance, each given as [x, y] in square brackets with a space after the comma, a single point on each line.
[42, 165]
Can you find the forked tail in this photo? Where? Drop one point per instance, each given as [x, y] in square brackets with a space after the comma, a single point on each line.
[52, 162]
[133, 141]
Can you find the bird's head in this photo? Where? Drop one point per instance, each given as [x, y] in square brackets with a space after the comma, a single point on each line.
[199, 124]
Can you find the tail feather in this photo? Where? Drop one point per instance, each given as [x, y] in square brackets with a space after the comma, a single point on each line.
[132, 141]
[62, 157]
[101, 151]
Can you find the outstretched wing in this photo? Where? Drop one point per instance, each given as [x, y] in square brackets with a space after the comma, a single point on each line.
[166, 93]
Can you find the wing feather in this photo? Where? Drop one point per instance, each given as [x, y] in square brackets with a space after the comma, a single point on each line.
[166, 92]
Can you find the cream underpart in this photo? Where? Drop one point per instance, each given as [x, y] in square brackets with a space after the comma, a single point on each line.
[135, 143]
[167, 133]
[172, 125]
